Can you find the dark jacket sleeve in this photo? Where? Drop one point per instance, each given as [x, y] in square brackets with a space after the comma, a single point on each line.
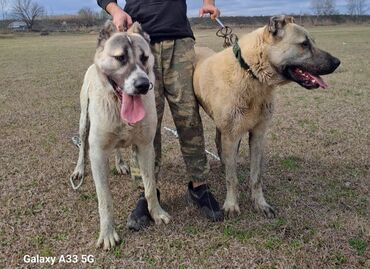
[103, 3]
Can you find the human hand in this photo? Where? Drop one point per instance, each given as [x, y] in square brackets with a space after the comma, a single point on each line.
[209, 9]
[121, 19]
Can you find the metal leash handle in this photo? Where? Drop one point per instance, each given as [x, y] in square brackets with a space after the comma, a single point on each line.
[226, 33]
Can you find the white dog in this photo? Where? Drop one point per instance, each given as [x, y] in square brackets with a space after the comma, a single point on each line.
[118, 110]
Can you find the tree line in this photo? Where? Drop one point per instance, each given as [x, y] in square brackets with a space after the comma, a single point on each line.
[29, 11]
[329, 7]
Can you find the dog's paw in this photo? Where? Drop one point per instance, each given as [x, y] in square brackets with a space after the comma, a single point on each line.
[160, 216]
[108, 239]
[231, 209]
[266, 209]
[122, 168]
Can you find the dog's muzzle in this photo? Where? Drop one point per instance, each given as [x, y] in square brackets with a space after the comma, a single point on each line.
[142, 85]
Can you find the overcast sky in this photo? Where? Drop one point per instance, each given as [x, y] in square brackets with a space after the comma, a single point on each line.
[227, 7]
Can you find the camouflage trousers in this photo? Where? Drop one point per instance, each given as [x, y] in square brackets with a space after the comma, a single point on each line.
[173, 68]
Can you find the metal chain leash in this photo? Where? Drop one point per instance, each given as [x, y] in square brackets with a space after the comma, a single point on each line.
[227, 34]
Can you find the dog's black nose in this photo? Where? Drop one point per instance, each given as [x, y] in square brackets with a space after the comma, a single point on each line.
[335, 62]
[142, 85]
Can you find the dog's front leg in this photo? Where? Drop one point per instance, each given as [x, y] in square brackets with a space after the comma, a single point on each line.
[146, 162]
[229, 155]
[99, 166]
[256, 145]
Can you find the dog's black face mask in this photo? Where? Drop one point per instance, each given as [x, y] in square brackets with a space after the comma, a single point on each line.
[296, 56]
[308, 74]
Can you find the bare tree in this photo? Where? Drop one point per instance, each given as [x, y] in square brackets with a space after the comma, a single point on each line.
[3, 4]
[27, 11]
[356, 7]
[87, 16]
[323, 7]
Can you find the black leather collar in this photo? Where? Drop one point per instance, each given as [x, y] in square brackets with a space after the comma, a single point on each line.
[238, 55]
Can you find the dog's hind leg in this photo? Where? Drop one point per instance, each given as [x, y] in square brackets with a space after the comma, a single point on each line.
[108, 236]
[121, 166]
[256, 143]
[218, 144]
[79, 172]
[229, 156]
[219, 147]
[146, 163]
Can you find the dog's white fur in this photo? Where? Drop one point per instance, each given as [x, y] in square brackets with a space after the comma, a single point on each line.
[101, 123]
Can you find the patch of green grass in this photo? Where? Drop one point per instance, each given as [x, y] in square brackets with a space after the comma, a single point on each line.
[117, 253]
[191, 230]
[273, 243]
[34, 209]
[296, 244]
[358, 244]
[240, 235]
[38, 241]
[243, 175]
[308, 125]
[88, 197]
[362, 206]
[176, 243]
[340, 258]
[46, 252]
[114, 172]
[61, 237]
[52, 138]
[278, 223]
[290, 163]
[335, 133]
[337, 225]
[150, 261]
[336, 192]
[214, 246]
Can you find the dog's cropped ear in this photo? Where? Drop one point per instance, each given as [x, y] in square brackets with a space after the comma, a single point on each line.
[277, 24]
[136, 29]
[108, 30]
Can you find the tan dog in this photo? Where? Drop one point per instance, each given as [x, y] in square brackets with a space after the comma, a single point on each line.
[118, 110]
[236, 89]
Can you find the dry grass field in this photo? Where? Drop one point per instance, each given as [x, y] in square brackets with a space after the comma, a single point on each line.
[317, 172]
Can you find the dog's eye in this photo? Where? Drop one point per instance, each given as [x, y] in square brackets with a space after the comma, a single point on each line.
[305, 44]
[122, 59]
[143, 58]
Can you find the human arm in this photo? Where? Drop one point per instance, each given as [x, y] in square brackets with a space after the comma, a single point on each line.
[209, 8]
[121, 19]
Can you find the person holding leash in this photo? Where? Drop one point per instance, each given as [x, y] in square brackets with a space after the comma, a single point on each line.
[172, 44]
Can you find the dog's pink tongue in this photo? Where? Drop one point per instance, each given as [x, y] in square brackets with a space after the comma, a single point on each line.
[132, 109]
[321, 82]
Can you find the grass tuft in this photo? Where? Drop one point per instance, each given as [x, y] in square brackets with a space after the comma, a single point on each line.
[359, 245]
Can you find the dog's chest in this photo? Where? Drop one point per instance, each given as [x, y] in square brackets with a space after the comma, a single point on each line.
[127, 135]
[244, 117]
[124, 134]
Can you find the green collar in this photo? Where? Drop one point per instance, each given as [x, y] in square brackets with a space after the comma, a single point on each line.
[238, 54]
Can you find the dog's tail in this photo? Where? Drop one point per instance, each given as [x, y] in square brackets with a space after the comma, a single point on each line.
[81, 142]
